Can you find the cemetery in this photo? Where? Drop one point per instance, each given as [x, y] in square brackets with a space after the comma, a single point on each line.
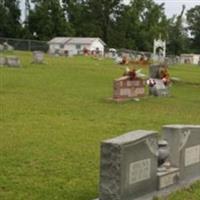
[56, 122]
[99, 100]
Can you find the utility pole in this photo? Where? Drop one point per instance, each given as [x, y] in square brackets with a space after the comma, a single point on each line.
[27, 9]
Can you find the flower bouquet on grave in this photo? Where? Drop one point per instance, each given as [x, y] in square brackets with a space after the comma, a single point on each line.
[164, 75]
[151, 82]
[131, 73]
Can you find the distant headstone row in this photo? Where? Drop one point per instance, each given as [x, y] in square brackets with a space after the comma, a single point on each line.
[139, 166]
[14, 61]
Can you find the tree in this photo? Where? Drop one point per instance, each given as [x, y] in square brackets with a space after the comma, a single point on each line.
[139, 24]
[92, 18]
[102, 16]
[193, 19]
[10, 18]
[47, 20]
[177, 35]
[77, 15]
[3, 18]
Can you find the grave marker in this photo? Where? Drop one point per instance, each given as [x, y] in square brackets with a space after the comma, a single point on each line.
[12, 61]
[38, 57]
[128, 166]
[184, 141]
[2, 61]
[126, 88]
[134, 167]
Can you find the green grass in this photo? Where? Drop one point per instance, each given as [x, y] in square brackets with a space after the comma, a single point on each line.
[54, 116]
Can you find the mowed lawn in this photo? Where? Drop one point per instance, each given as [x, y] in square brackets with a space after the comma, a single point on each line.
[54, 116]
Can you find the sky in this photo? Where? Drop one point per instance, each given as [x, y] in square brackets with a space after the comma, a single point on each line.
[173, 7]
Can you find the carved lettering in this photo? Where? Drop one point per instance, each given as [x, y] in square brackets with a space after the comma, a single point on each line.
[139, 171]
[192, 155]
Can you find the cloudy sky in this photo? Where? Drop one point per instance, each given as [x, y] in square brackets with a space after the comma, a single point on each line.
[174, 6]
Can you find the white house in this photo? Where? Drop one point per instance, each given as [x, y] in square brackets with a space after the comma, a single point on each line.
[75, 45]
[190, 59]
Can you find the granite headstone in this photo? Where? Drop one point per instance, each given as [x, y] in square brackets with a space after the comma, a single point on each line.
[38, 57]
[128, 166]
[12, 61]
[159, 89]
[124, 88]
[184, 141]
[1, 47]
[2, 61]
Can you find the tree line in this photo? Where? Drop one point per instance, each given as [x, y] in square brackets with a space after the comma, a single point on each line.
[132, 26]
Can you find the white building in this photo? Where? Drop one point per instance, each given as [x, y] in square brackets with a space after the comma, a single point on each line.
[190, 59]
[75, 45]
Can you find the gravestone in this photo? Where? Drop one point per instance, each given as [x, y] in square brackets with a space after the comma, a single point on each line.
[1, 47]
[159, 89]
[125, 88]
[128, 166]
[12, 61]
[8, 47]
[159, 74]
[134, 167]
[154, 71]
[2, 61]
[38, 57]
[184, 142]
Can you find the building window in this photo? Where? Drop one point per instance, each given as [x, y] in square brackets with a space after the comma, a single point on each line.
[78, 46]
[62, 46]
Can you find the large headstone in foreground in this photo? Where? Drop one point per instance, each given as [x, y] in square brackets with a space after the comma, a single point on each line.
[128, 166]
[184, 143]
[135, 167]
[125, 88]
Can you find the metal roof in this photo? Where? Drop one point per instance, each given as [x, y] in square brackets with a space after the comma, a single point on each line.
[74, 40]
[59, 40]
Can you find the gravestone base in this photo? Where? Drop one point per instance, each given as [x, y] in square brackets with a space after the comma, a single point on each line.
[168, 178]
[167, 191]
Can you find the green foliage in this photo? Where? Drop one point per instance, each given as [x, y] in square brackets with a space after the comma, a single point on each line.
[47, 20]
[54, 116]
[177, 35]
[10, 18]
[132, 26]
[193, 18]
[139, 24]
